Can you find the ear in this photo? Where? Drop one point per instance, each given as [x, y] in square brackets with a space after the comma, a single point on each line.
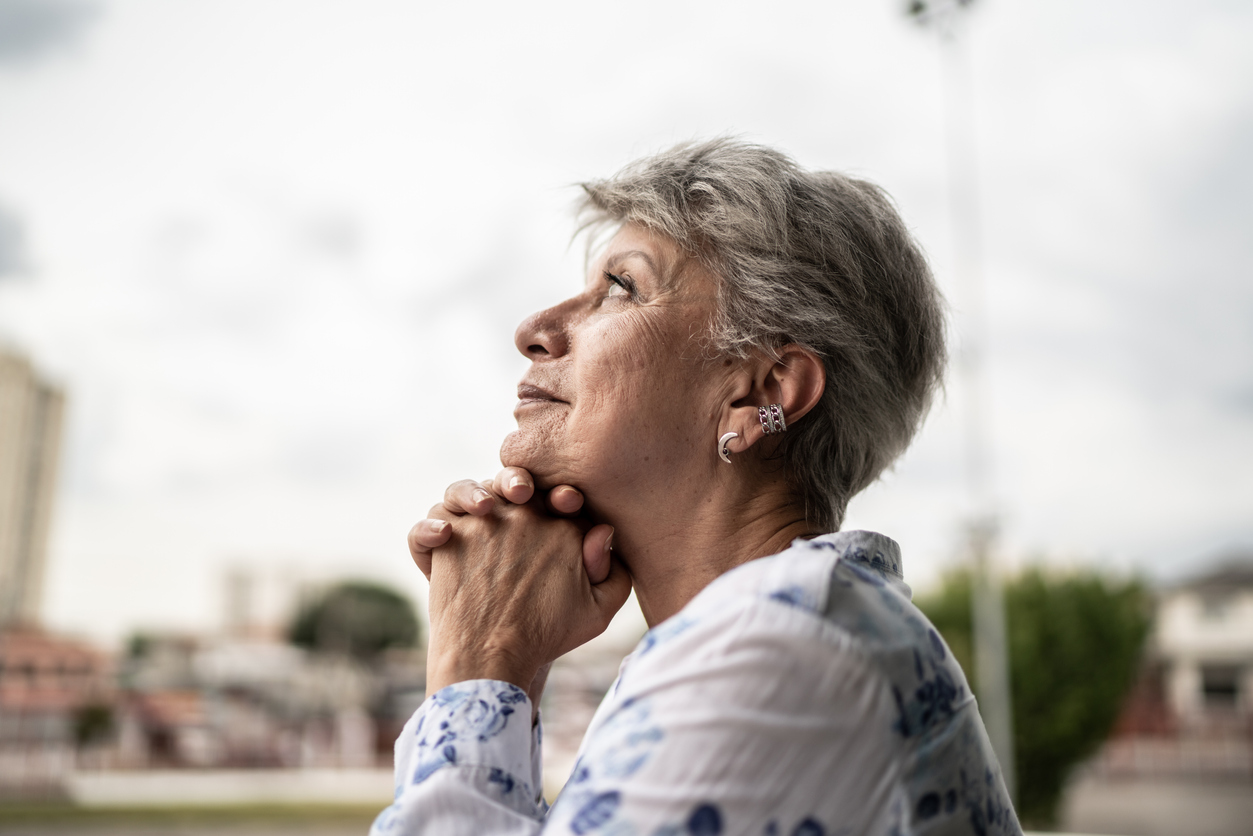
[793, 377]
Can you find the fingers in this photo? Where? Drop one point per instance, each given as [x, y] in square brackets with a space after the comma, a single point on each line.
[518, 486]
[596, 555]
[514, 484]
[424, 538]
[428, 535]
[563, 500]
[468, 497]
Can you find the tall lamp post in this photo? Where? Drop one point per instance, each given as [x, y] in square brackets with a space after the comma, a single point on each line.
[988, 607]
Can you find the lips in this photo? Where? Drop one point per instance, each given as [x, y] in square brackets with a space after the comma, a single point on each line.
[531, 392]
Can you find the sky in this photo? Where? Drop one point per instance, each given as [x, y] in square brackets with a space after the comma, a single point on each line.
[275, 252]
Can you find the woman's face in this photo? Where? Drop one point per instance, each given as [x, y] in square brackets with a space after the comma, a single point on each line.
[621, 399]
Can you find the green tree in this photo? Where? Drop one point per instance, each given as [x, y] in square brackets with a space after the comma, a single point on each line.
[93, 723]
[1074, 645]
[355, 618]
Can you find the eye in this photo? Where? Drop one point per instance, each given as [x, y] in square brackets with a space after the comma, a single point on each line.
[619, 285]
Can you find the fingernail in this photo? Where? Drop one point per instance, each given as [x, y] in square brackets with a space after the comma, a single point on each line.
[481, 495]
[437, 526]
[515, 481]
[609, 541]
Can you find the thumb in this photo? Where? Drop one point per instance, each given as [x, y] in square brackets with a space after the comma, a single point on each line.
[611, 593]
[596, 555]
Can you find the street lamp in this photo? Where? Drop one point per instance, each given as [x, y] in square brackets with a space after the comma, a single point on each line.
[988, 607]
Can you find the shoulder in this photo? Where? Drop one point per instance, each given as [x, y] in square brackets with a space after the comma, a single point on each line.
[850, 581]
[838, 601]
[753, 702]
[815, 660]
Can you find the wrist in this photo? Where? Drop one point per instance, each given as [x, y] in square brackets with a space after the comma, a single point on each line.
[443, 670]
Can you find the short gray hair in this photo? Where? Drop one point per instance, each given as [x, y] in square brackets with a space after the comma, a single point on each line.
[814, 258]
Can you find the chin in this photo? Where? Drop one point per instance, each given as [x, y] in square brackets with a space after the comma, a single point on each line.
[519, 449]
[534, 452]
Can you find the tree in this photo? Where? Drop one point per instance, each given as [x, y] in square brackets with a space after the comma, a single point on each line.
[1074, 650]
[93, 723]
[356, 618]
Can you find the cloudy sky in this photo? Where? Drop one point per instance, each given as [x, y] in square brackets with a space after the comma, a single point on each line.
[275, 252]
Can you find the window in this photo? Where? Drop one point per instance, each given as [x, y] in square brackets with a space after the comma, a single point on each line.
[1221, 685]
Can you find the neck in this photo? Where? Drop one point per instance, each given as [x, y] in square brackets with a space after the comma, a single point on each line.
[674, 548]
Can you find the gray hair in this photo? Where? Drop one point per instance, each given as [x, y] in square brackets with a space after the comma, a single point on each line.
[813, 258]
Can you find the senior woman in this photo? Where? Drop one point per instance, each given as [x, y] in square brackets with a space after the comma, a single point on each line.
[753, 346]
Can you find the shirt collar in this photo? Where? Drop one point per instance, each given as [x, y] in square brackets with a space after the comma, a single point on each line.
[879, 554]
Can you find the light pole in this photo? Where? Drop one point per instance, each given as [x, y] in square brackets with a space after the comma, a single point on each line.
[988, 608]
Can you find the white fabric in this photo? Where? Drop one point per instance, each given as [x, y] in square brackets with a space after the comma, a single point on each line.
[797, 695]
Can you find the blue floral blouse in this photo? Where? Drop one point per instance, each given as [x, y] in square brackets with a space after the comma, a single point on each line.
[797, 695]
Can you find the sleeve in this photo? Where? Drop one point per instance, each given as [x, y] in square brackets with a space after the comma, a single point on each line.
[467, 762]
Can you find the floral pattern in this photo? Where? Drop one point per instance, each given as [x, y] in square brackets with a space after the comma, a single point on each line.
[797, 695]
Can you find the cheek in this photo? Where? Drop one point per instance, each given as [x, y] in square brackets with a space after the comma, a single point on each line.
[644, 385]
[623, 362]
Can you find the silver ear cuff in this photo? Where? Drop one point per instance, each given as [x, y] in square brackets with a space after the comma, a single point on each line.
[722, 446]
[771, 418]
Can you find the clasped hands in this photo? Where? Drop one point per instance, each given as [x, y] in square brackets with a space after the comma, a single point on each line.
[515, 580]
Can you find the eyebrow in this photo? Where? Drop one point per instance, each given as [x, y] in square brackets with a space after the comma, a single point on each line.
[648, 259]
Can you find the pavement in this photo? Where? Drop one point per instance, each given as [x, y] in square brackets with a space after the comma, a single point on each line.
[197, 788]
[67, 820]
[1160, 807]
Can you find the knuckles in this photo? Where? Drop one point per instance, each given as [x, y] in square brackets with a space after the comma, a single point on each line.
[506, 517]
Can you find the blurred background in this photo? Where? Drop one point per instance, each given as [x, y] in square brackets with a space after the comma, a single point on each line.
[260, 267]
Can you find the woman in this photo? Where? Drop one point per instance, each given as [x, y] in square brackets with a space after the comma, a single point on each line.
[752, 347]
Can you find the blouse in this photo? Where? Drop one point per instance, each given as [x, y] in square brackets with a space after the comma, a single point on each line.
[797, 695]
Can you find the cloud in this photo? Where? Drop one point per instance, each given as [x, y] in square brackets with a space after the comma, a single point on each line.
[30, 29]
[332, 234]
[281, 289]
[13, 260]
[1186, 331]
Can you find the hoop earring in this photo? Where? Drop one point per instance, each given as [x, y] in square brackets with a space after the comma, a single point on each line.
[722, 446]
[771, 418]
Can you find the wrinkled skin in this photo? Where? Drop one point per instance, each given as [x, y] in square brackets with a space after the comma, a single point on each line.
[629, 388]
[624, 401]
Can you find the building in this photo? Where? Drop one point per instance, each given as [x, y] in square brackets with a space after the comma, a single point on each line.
[1180, 759]
[30, 440]
[55, 705]
[1204, 639]
[1191, 713]
[194, 702]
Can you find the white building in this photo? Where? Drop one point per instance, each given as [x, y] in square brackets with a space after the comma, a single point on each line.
[1204, 638]
[1181, 757]
[30, 441]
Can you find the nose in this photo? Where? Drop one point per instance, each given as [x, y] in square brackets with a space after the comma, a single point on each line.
[544, 333]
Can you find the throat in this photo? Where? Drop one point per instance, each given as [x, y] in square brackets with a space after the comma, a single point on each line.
[670, 566]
